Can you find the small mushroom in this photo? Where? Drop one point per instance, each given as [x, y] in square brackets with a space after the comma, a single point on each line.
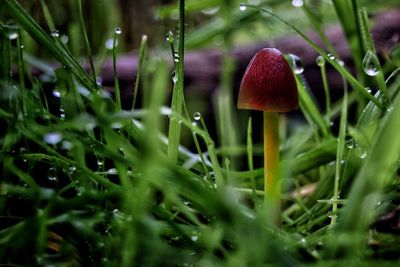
[269, 85]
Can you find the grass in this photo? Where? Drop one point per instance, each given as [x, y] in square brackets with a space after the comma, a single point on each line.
[85, 183]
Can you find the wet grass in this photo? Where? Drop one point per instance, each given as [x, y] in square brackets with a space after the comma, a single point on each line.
[85, 183]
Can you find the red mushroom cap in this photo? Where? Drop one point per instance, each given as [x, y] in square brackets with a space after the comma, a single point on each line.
[268, 84]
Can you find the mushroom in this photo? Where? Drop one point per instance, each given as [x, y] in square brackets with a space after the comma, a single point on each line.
[269, 85]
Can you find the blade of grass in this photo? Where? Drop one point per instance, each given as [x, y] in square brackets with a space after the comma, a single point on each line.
[310, 109]
[142, 56]
[5, 52]
[339, 155]
[87, 43]
[174, 133]
[116, 83]
[369, 44]
[376, 172]
[250, 159]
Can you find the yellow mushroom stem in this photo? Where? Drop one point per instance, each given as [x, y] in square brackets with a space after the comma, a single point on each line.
[272, 183]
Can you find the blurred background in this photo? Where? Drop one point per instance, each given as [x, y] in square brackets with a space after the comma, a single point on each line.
[208, 21]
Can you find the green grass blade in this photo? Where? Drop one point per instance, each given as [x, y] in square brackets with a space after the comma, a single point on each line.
[116, 82]
[142, 56]
[339, 155]
[310, 109]
[376, 173]
[87, 43]
[174, 133]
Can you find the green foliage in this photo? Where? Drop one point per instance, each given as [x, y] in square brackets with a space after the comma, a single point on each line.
[85, 183]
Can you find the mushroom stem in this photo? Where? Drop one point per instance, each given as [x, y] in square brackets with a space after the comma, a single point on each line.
[272, 183]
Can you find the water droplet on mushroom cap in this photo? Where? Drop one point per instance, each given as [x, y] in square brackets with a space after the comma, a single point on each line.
[268, 83]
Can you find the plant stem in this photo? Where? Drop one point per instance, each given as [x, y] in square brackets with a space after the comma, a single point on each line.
[272, 182]
[174, 133]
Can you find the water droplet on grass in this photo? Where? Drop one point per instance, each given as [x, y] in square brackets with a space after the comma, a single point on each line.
[170, 37]
[116, 125]
[320, 60]
[210, 11]
[370, 64]
[242, 7]
[13, 35]
[364, 155]
[118, 30]
[197, 116]
[71, 169]
[64, 39]
[52, 175]
[174, 77]
[53, 138]
[331, 57]
[110, 43]
[296, 63]
[350, 143]
[55, 33]
[297, 3]
[56, 93]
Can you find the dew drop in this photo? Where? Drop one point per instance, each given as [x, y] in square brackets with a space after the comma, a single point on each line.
[370, 63]
[297, 3]
[116, 125]
[118, 30]
[197, 116]
[22, 46]
[12, 35]
[194, 238]
[242, 7]
[64, 39]
[56, 93]
[341, 63]
[53, 138]
[51, 176]
[55, 33]
[320, 60]
[364, 155]
[66, 145]
[368, 90]
[112, 171]
[331, 57]
[109, 43]
[210, 11]
[350, 143]
[176, 57]
[174, 77]
[71, 169]
[170, 37]
[296, 63]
